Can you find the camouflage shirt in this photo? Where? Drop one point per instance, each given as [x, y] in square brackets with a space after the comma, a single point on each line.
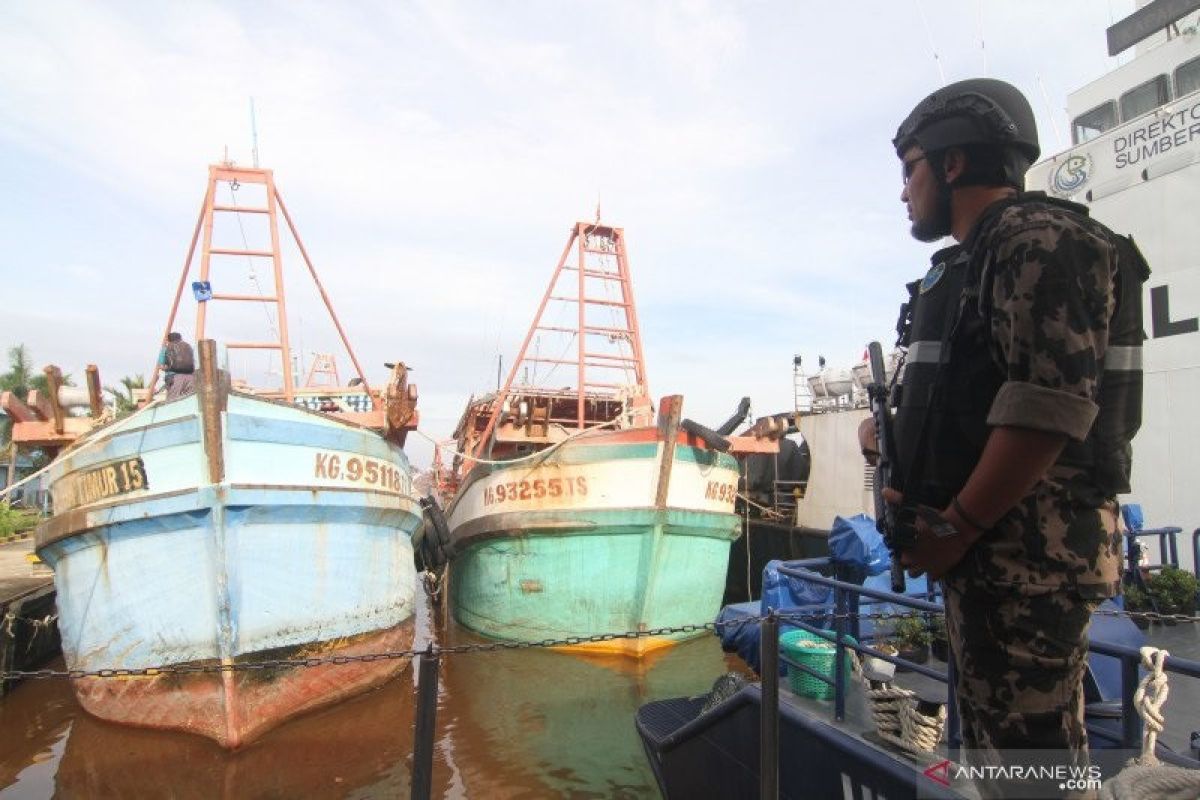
[1047, 295]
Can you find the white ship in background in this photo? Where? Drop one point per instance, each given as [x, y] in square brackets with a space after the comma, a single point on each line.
[1135, 161]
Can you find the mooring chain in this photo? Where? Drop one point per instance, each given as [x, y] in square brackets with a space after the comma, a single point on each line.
[194, 669]
[571, 641]
[490, 647]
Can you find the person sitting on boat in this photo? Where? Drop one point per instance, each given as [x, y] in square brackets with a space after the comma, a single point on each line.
[179, 364]
[1005, 432]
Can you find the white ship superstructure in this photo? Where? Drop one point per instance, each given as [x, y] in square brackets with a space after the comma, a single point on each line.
[1135, 161]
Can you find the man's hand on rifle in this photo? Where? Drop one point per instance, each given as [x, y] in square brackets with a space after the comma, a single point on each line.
[932, 554]
[868, 441]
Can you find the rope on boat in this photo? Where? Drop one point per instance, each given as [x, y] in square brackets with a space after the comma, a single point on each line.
[38, 625]
[898, 721]
[885, 709]
[1145, 777]
[539, 454]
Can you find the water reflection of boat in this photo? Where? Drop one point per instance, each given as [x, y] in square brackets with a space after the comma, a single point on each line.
[360, 745]
[226, 527]
[35, 717]
[561, 725]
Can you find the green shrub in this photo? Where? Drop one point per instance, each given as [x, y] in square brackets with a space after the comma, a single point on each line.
[1136, 598]
[1173, 591]
[15, 520]
[911, 633]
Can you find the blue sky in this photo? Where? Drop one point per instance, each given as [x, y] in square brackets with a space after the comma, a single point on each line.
[434, 156]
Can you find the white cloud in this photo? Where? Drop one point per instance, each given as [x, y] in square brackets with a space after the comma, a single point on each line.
[434, 156]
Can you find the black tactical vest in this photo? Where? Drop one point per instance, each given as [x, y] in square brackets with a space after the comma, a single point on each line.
[950, 380]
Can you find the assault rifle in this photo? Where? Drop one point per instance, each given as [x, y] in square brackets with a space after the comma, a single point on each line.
[898, 525]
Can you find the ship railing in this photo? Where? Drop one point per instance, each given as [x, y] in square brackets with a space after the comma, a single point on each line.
[1168, 550]
[1130, 736]
[1196, 552]
[846, 602]
[785, 494]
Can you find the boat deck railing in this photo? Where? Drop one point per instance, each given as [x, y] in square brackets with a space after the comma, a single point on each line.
[847, 599]
[1168, 548]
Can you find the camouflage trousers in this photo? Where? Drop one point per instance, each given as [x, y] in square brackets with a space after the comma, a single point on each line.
[1021, 655]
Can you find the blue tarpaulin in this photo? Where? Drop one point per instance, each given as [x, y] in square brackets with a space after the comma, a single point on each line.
[854, 541]
[1132, 514]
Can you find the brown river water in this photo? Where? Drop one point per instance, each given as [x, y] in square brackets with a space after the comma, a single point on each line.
[513, 723]
[520, 723]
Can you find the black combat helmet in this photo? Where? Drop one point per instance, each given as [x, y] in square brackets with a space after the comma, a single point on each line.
[976, 111]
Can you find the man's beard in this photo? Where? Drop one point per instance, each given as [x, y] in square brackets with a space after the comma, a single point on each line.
[937, 225]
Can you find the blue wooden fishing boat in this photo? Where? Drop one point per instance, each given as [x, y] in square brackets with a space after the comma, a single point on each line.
[223, 528]
[577, 510]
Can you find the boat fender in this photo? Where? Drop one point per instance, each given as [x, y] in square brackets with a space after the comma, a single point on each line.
[437, 532]
[422, 543]
[714, 440]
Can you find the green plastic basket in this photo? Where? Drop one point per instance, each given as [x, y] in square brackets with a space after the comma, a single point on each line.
[817, 653]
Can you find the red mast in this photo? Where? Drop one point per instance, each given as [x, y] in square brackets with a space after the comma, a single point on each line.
[237, 176]
[602, 336]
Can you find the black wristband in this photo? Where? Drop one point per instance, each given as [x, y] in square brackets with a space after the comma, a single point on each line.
[967, 518]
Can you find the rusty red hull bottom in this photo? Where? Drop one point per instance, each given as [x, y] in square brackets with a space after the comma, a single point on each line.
[235, 708]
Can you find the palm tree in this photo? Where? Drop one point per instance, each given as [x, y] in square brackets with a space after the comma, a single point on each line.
[123, 395]
[19, 379]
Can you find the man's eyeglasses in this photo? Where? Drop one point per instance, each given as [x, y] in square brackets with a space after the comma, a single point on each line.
[909, 167]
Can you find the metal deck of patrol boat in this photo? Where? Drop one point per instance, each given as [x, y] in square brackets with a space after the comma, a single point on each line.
[229, 527]
[829, 749]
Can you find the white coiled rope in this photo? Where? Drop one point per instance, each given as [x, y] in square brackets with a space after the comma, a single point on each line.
[1145, 777]
[898, 721]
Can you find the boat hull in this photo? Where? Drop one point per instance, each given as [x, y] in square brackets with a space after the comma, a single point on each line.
[601, 558]
[285, 557]
[235, 708]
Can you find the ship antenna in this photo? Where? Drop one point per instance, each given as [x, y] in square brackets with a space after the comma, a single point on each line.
[932, 47]
[982, 43]
[253, 135]
[1050, 113]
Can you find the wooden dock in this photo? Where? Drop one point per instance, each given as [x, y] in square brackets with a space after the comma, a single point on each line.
[28, 619]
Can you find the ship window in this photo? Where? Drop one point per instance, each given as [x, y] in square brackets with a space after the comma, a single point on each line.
[1187, 78]
[1095, 122]
[1147, 97]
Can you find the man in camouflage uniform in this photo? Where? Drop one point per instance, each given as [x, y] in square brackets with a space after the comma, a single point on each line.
[1004, 435]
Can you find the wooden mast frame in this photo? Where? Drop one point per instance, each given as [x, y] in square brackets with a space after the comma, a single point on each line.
[235, 176]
